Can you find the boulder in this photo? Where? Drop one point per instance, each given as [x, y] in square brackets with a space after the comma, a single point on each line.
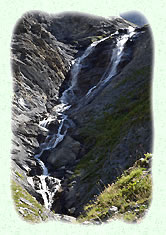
[65, 154]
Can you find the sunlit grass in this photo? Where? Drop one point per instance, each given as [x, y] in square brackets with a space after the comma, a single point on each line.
[130, 196]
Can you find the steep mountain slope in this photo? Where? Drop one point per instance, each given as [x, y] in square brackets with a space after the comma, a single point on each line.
[115, 128]
[63, 148]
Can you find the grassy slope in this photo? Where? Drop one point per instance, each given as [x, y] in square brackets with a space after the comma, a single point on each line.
[26, 205]
[128, 197]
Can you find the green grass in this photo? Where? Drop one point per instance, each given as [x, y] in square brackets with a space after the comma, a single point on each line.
[130, 194]
[19, 175]
[33, 211]
[96, 38]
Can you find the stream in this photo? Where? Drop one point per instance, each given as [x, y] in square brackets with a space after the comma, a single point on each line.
[46, 185]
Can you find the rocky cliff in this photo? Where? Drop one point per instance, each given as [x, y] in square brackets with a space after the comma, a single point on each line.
[81, 111]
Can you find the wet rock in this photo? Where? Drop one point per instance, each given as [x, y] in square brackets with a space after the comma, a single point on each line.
[135, 17]
[53, 126]
[35, 171]
[122, 31]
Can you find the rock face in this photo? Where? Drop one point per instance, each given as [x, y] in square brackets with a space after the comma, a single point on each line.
[108, 125]
[65, 155]
[115, 126]
[40, 65]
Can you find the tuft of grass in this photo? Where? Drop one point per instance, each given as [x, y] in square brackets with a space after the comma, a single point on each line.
[19, 175]
[96, 38]
[130, 195]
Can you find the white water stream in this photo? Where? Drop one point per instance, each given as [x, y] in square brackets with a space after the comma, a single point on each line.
[114, 60]
[68, 95]
[65, 103]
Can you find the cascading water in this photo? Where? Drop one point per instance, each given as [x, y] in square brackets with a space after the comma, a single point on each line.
[48, 190]
[113, 64]
[68, 95]
[116, 56]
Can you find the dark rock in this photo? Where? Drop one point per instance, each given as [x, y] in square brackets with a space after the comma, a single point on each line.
[45, 155]
[36, 29]
[65, 154]
[35, 171]
[59, 173]
[41, 137]
[53, 126]
[71, 26]
[70, 196]
[122, 31]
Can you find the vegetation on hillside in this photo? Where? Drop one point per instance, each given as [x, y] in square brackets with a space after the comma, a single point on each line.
[102, 135]
[128, 198]
[26, 205]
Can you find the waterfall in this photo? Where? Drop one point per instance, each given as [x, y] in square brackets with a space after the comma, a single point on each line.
[117, 55]
[46, 190]
[114, 62]
[68, 94]
[46, 186]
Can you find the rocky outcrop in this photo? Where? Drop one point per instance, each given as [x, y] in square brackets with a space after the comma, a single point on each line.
[115, 128]
[65, 155]
[40, 64]
[106, 131]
